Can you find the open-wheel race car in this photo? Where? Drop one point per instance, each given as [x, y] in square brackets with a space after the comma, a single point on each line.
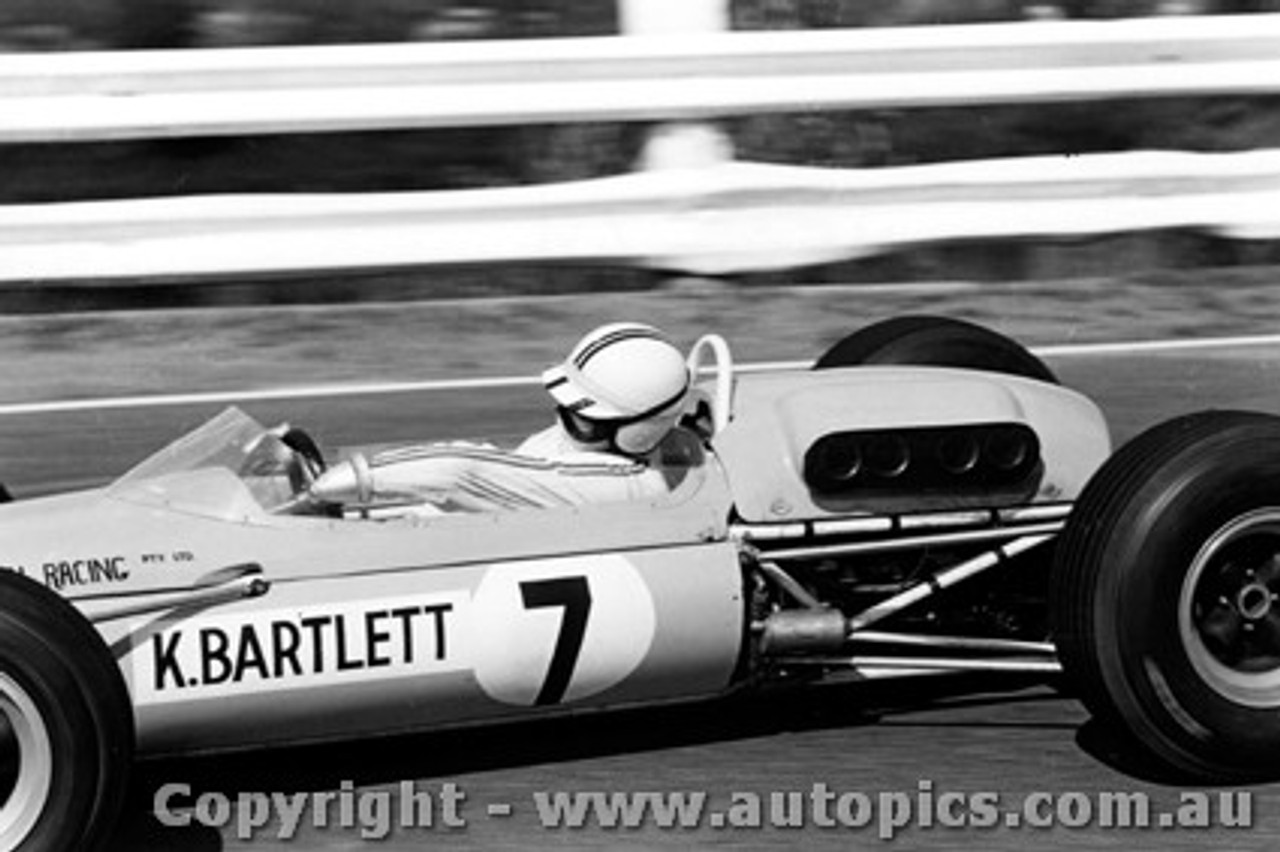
[893, 511]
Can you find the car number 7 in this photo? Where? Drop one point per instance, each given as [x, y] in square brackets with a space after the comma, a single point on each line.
[574, 595]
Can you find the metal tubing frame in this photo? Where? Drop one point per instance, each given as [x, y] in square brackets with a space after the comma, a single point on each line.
[943, 580]
[857, 624]
[789, 584]
[858, 548]
[955, 643]
[867, 525]
[910, 665]
[238, 589]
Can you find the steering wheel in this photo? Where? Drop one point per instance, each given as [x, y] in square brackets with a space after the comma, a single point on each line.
[310, 459]
[722, 400]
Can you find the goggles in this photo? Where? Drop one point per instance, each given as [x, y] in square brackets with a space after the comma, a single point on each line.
[589, 430]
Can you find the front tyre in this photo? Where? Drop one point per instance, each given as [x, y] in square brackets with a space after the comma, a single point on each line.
[66, 725]
[1165, 594]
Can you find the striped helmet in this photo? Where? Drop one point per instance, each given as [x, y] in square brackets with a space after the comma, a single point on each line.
[626, 375]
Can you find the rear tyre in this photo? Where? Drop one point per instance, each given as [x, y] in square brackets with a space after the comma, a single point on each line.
[935, 341]
[1165, 595]
[66, 725]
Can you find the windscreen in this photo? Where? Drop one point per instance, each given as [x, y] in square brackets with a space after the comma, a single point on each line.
[230, 467]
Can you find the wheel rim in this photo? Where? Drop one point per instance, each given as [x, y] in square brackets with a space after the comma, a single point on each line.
[1229, 610]
[26, 754]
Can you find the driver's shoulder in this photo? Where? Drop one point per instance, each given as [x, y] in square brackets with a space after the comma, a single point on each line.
[546, 444]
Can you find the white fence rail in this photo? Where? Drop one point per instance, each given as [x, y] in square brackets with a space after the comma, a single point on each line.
[267, 90]
[727, 218]
[723, 217]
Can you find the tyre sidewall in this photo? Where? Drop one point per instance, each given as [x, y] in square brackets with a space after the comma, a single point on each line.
[1138, 613]
[60, 662]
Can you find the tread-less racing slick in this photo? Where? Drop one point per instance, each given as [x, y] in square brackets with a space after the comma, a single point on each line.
[926, 499]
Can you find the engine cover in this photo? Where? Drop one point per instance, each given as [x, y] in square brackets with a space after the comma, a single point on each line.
[901, 439]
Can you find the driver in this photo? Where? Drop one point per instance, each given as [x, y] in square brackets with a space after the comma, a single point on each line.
[619, 395]
[621, 390]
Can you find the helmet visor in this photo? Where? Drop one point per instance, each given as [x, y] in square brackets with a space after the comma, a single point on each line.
[633, 436]
[641, 438]
[587, 430]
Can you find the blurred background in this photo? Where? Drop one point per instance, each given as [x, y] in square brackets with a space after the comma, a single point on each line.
[124, 24]
[505, 156]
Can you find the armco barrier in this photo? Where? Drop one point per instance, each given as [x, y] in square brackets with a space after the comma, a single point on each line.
[117, 95]
[722, 219]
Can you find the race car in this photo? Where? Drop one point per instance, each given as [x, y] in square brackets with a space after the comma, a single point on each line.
[893, 511]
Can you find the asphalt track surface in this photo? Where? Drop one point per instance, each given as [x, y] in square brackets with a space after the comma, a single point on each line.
[916, 741]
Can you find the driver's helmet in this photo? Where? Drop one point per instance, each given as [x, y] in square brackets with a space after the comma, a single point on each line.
[623, 386]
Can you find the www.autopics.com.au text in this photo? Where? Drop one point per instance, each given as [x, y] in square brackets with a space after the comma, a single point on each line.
[376, 813]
